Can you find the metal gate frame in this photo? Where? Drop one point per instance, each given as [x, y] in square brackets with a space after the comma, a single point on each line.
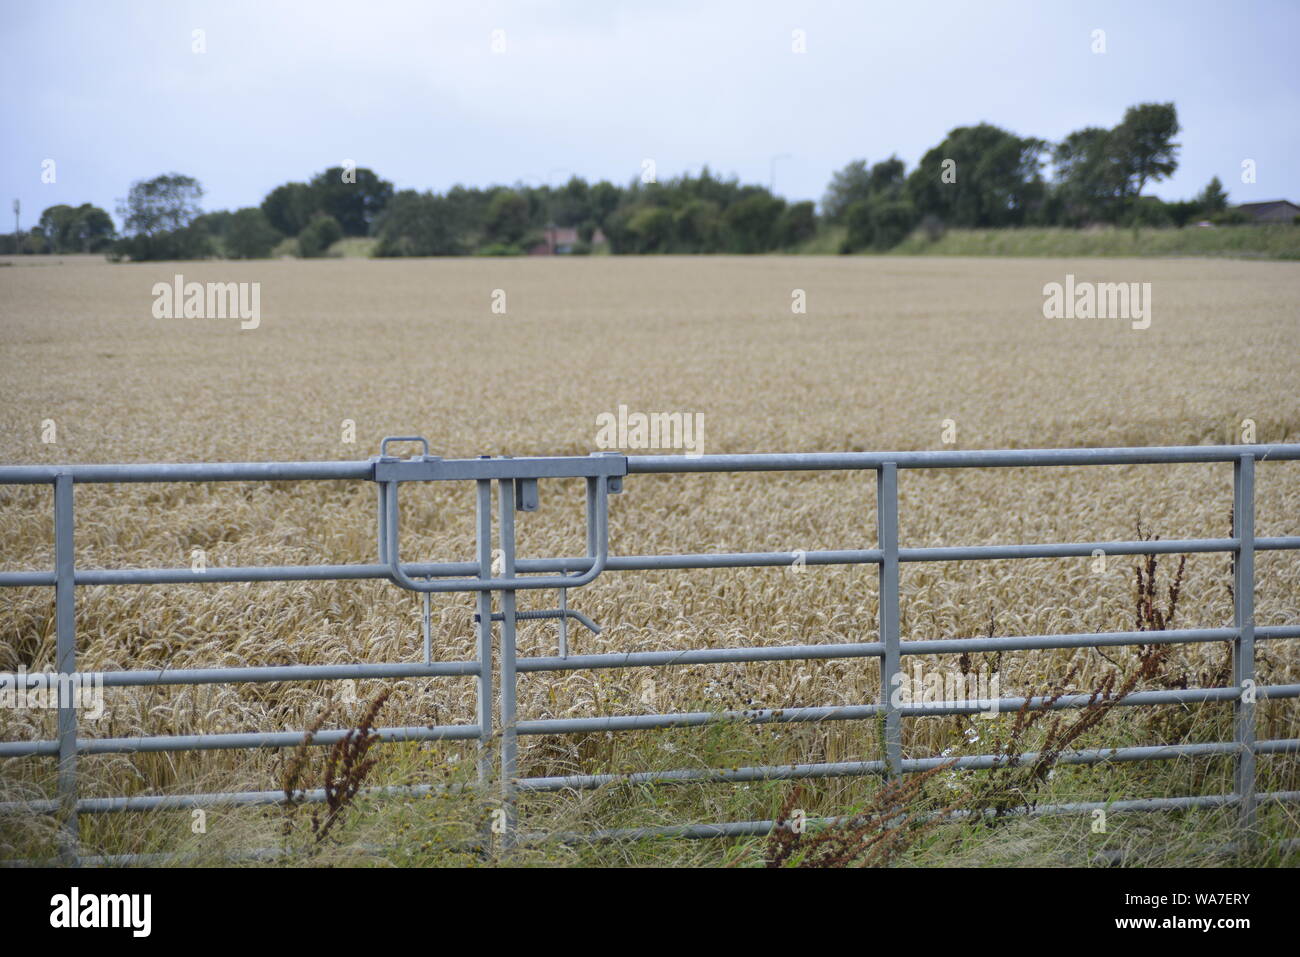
[517, 483]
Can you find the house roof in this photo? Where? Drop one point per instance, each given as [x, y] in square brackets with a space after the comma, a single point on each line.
[1268, 204]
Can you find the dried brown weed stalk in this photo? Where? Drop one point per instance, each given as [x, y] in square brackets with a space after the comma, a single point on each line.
[343, 771]
[896, 818]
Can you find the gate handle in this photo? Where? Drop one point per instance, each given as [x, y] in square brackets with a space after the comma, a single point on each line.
[597, 507]
[383, 445]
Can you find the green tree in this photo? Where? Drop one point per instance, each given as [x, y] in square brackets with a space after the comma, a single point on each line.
[418, 224]
[1213, 199]
[978, 177]
[651, 228]
[1152, 212]
[856, 182]
[878, 223]
[894, 219]
[160, 216]
[697, 226]
[1183, 211]
[54, 224]
[604, 198]
[1142, 148]
[888, 178]
[250, 235]
[571, 205]
[290, 207]
[163, 204]
[847, 186]
[508, 217]
[860, 218]
[751, 222]
[217, 223]
[1085, 178]
[318, 236]
[34, 242]
[466, 212]
[354, 197]
[798, 224]
[81, 229]
[616, 230]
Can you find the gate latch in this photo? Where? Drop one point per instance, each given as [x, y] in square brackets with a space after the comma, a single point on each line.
[603, 471]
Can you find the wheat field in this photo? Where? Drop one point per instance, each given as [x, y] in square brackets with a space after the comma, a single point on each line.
[889, 353]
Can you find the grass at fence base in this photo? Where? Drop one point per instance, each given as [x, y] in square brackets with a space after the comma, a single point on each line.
[447, 828]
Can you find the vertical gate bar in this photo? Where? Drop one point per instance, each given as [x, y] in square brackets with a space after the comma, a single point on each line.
[65, 617]
[592, 532]
[564, 623]
[509, 735]
[890, 662]
[428, 630]
[382, 491]
[483, 539]
[1243, 647]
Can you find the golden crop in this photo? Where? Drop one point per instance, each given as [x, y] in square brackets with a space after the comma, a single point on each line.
[888, 349]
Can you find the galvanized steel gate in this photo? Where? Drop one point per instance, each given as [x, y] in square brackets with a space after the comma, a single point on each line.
[517, 488]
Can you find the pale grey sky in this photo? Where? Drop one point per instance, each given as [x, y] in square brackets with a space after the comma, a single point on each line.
[112, 92]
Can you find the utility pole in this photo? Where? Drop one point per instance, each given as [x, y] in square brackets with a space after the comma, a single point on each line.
[771, 181]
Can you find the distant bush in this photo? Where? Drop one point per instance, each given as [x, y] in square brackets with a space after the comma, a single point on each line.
[752, 222]
[417, 224]
[1150, 211]
[697, 226]
[507, 217]
[797, 225]
[1182, 212]
[318, 236]
[1230, 217]
[250, 235]
[651, 229]
[878, 224]
[192, 242]
[32, 242]
[894, 221]
[860, 219]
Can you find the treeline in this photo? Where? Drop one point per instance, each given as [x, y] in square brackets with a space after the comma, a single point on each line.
[978, 177]
[984, 177]
[65, 229]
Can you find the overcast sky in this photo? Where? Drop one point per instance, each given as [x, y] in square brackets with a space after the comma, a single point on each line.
[113, 92]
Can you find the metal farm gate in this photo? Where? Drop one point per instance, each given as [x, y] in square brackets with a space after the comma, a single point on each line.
[517, 483]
